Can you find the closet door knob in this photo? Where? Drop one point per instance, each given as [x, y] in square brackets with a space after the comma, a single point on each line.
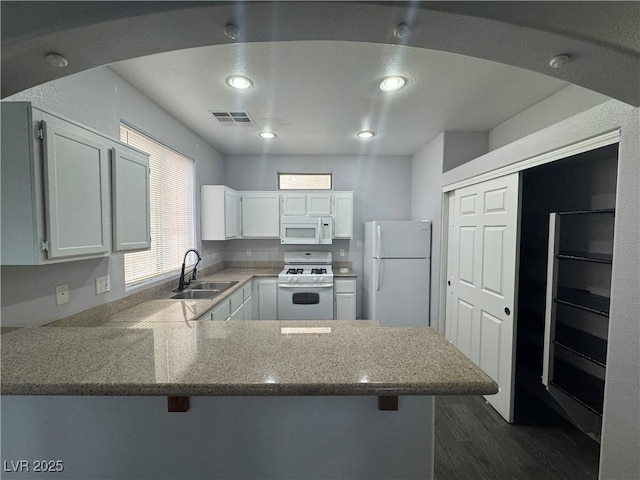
[507, 311]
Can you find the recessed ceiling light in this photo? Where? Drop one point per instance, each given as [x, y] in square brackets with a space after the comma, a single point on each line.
[559, 61]
[365, 134]
[267, 135]
[391, 84]
[57, 60]
[231, 31]
[239, 82]
[401, 31]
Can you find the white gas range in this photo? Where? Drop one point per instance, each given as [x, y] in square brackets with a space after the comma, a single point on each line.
[305, 287]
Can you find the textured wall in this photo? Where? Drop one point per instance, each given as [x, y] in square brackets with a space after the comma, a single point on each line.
[426, 204]
[99, 99]
[381, 188]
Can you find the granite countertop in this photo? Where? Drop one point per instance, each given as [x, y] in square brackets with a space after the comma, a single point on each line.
[158, 347]
[344, 272]
[159, 357]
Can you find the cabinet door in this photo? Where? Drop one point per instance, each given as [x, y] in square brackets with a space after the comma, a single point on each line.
[130, 199]
[268, 299]
[294, 204]
[231, 214]
[319, 204]
[76, 172]
[248, 308]
[219, 212]
[238, 314]
[345, 299]
[222, 311]
[345, 306]
[343, 215]
[260, 215]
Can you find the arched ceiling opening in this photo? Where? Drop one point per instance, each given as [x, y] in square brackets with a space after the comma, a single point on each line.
[602, 38]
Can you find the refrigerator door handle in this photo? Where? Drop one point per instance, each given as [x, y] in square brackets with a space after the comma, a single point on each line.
[379, 240]
[378, 274]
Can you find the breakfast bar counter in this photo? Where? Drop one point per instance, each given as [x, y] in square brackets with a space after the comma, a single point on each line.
[157, 391]
[171, 358]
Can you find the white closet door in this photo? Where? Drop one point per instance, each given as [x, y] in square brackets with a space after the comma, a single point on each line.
[482, 281]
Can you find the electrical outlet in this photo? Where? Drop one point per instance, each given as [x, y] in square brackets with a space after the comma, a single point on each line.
[248, 252]
[342, 252]
[103, 284]
[62, 294]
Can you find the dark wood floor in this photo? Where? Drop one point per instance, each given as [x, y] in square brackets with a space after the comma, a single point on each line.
[474, 442]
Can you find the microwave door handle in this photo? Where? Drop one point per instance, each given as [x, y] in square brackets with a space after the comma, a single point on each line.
[319, 230]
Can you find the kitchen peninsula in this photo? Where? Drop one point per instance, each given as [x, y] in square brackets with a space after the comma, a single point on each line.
[268, 399]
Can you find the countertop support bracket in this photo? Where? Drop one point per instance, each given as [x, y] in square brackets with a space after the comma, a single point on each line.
[178, 404]
[388, 403]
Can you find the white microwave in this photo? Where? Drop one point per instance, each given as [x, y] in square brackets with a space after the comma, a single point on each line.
[306, 230]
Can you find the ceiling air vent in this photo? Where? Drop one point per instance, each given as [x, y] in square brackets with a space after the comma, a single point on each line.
[238, 119]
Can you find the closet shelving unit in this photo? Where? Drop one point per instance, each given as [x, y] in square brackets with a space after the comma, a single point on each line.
[577, 312]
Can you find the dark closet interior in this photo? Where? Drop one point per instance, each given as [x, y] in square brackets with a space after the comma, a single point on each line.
[578, 194]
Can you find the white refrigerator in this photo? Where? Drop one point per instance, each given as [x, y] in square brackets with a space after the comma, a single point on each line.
[397, 271]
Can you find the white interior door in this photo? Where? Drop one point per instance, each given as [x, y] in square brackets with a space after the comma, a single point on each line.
[482, 281]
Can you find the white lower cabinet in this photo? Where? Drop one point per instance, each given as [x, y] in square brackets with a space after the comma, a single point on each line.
[247, 306]
[267, 298]
[237, 307]
[345, 299]
[222, 311]
[238, 314]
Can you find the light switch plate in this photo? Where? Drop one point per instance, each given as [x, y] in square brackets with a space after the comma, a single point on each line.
[62, 294]
[103, 284]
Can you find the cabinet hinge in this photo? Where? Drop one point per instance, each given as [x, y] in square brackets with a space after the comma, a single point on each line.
[45, 246]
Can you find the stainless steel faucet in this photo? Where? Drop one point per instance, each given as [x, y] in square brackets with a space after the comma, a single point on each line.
[184, 283]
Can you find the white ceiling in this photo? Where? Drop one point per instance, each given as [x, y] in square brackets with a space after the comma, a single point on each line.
[317, 94]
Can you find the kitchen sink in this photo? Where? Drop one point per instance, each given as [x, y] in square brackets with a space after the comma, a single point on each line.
[219, 286]
[196, 295]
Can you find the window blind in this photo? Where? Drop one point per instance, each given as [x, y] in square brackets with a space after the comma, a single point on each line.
[171, 193]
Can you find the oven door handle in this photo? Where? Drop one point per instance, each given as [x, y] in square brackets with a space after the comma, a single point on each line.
[307, 286]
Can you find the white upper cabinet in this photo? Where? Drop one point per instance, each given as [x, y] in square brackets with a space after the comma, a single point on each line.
[220, 212]
[76, 189]
[319, 203]
[260, 214]
[294, 203]
[55, 188]
[130, 199]
[231, 219]
[343, 215]
[304, 203]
